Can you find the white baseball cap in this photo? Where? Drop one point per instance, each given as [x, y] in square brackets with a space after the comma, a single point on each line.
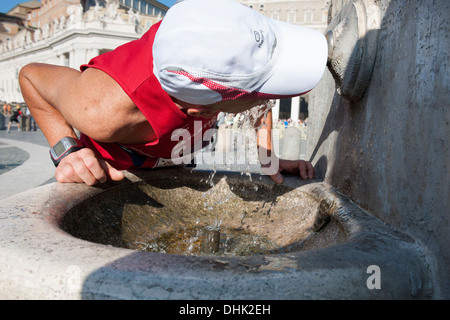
[206, 51]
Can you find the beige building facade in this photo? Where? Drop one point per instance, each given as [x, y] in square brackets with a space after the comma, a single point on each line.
[68, 33]
[309, 13]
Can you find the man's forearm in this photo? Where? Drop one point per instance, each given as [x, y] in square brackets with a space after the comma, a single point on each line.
[264, 131]
[267, 158]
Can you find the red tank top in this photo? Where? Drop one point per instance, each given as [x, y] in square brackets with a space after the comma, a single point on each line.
[131, 66]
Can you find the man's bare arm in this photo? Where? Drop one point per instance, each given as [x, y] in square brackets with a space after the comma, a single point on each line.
[60, 98]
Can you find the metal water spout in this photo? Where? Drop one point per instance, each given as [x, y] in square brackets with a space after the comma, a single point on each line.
[352, 39]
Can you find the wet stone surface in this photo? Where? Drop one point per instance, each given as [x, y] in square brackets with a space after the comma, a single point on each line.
[202, 241]
[218, 216]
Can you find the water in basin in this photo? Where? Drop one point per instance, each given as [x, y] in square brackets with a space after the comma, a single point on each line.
[196, 214]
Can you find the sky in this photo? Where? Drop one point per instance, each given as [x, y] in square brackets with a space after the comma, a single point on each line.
[6, 5]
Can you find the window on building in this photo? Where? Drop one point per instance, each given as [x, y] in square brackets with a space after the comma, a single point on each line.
[308, 16]
[102, 51]
[292, 16]
[285, 108]
[66, 59]
[304, 113]
[325, 16]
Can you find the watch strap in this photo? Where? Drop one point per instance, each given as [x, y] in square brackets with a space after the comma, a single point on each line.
[69, 144]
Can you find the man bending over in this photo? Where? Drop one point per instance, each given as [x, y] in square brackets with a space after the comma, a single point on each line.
[204, 57]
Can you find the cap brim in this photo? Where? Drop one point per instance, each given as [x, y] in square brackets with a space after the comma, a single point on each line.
[302, 61]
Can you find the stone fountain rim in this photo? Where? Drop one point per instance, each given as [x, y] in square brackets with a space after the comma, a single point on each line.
[28, 235]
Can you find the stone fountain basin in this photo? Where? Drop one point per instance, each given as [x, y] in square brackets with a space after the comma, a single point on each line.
[71, 241]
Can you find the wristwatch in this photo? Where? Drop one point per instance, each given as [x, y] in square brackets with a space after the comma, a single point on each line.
[63, 147]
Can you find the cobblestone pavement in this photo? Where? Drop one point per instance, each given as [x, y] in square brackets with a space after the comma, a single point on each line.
[11, 157]
[35, 137]
[24, 161]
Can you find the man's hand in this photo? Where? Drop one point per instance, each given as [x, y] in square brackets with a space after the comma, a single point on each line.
[270, 164]
[83, 166]
[297, 167]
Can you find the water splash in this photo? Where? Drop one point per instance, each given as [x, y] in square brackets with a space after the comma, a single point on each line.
[211, 240]
[249, 118]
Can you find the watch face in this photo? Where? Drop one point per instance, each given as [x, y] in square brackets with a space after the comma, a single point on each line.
[59, 148]
[64, 147]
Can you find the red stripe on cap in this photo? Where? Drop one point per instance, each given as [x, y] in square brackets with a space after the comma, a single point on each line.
[229, 93]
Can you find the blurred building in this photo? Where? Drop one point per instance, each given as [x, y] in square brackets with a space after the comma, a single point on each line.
[309, 13]
[68, 33]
